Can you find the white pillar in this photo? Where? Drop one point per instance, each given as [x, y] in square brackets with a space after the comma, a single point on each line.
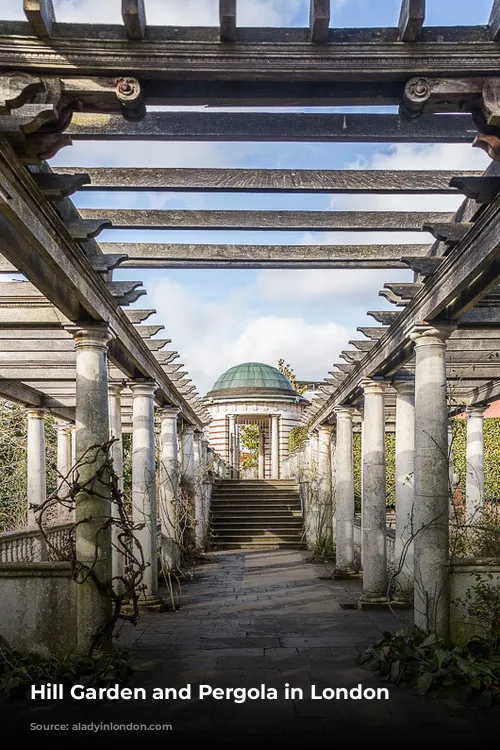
[198, 491]
[430, 517]
[231, 426]
[144, 485]
[374, 524]
[262, 458]
[326, 517]
[188, 452]
[169, 488]
[93, 505]
[344, 491]
[405, 484]
[474, 492]
[63, 430]
[115, 433]
[37, 481]
[275, 447]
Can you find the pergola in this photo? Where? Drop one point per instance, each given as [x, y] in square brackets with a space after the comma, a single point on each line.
[63, 81]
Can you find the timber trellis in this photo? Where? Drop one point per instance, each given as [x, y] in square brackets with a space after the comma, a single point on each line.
[62, 82]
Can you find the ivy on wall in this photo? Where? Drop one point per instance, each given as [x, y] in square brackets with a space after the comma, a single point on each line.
[297, 438]
[390, 469]
[491, 455]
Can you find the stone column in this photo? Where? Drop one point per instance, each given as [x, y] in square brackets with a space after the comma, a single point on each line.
[262, 458]
[115, 432]
[63, 430]
[169, 488]
[188, 452]
[430, 517]
[198, 490]
[275, 447]
[405, 484]
[144, 486]
[231, 443]
[73, 449]
[474, 492]
[93, 504]
[374, 524]
[326, 511]
[37, 480]
[344, 492]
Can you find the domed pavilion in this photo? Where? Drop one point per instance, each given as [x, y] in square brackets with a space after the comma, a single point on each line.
[254, 393]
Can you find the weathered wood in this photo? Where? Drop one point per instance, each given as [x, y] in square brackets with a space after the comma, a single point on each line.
[41, 16]
[411, 20]
[480, 316]
[252, 126]
[494, 21]
[162, 255]
[155, 345]
[319, 20]
[227, 18]
[87, 229]
[394, 221]
[134, 18]
[486, 393]
[423, 266]
[447, 232]
[483, 189]
[125, 292]
[373, 333]
[271, 180]
[196, 53]
[137, 316]
[386, 317]
[55, 187]
[29, 396]
[363, 346]
[147, 331]
[400, 294]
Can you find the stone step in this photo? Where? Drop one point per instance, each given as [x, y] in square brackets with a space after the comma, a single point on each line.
[289, 499]
[261, 545]
[248, 516]
[249, 525]
[224, 492]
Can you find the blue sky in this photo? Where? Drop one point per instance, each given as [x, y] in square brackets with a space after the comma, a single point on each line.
[217, 318]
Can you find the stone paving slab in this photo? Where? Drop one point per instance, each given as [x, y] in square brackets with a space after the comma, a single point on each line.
[252, 618]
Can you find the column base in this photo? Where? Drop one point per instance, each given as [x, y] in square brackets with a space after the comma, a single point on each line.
[149, 604]
[373, 602]
[346, 574]
[402, 602]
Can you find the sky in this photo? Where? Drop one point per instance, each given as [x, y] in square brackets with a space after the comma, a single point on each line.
[219, 318]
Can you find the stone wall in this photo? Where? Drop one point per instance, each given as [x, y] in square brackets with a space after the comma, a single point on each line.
[38, 607]
[463, 574]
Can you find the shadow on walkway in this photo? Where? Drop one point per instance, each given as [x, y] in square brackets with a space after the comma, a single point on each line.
[255, 618]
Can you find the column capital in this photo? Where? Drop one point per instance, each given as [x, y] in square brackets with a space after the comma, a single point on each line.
[115, 388]
[143, 387]
[344, 412]
[404, 384]
[34, 413]
[428, 335]
[62, 425]
[169, 412]
[371, 385]
[476, 411]
[189, 429]
[94, 335]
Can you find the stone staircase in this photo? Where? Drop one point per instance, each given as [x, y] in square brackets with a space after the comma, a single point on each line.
[257, 514]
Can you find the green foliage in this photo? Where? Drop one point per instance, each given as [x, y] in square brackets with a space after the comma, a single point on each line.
[249, 438]
[390, 454]
[482, 604]
[297, 438]
[429, 667]
[288, 372]
[491, 455]
[18, 671]
[323, 550]
[13, 464]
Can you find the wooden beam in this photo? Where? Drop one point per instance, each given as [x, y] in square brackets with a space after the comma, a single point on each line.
[392, 221]
[494, 21]
[162, 255]
[423, 266]
[482, 188]
[319, 20]
[265, 126]
[134, 18]
[41, 16]
[486, 393]
[266, 180]
[411, 20]
[448, 231]
[227, 17]
[178, 54]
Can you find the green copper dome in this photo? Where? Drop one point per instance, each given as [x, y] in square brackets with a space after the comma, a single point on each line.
[250, 378]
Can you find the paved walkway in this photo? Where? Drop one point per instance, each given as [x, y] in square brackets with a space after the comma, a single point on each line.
[271, 618]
